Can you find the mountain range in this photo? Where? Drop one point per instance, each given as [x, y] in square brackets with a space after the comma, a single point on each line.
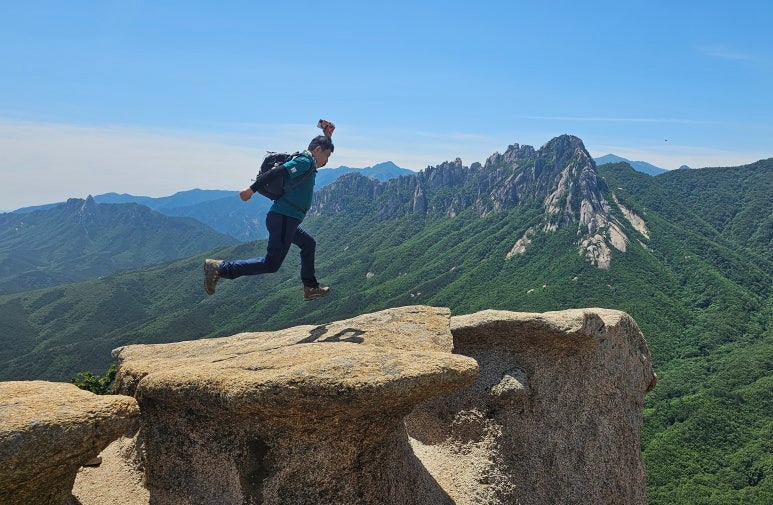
[82, 239]
[639, 166]
[686, 253]
[223, 210]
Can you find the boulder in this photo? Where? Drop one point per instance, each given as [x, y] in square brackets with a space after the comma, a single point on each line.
[48, 431]
[312, 414]
[554, 416]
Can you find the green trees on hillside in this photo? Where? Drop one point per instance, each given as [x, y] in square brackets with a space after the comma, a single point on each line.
[99, 385]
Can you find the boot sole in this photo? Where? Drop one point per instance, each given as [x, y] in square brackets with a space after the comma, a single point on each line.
[314, 297]
[209, 271]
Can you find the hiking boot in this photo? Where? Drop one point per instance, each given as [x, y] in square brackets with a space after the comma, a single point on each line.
[310, 293]
[211, 275]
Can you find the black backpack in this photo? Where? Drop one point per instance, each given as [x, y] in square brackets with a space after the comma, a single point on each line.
[270, 181]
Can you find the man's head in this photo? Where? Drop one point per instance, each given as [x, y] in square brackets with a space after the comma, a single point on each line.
[321, 147]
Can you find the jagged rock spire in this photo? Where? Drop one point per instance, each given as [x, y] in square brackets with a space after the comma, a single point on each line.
[561, 176]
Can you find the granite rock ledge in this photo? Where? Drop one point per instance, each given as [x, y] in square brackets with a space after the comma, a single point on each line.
[554, 415]
[48, 430]
[311, 414]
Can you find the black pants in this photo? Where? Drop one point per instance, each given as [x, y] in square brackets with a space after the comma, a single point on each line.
[283, 231]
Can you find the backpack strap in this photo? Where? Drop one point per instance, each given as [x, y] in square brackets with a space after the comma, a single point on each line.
[312, 169]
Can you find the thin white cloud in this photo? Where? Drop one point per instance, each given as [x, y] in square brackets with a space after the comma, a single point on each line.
[727, 54]
[417, 149]
[674, 156]
[619, 119]
[455, 136]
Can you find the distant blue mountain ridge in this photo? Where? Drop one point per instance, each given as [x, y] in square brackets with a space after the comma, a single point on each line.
[180, 199]
[381, 171]
[223, 210]
[639, 166]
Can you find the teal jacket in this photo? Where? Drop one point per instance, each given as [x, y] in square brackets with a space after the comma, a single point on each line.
[299, 191]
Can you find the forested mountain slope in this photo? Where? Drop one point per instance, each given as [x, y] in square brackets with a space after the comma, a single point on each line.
[81, 239]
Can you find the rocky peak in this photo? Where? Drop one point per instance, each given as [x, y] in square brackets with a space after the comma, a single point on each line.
[349, 191]
[449, 173]
[560, 176]
[564, 175]
[89, 205]
[512, 155]
[84, 211]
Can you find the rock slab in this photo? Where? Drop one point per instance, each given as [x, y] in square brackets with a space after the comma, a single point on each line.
[48, 431]
[554, 416]
[312, 414]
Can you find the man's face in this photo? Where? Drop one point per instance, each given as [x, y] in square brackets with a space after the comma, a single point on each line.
[321, 155]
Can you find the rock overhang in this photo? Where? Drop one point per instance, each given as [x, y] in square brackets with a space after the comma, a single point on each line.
[395, 357]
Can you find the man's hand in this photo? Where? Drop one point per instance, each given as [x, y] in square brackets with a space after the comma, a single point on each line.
[246, 194]
[327, 127]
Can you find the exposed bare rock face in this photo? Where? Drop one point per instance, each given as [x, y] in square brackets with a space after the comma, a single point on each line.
[564, 175]
[305, 415]
[117, 480]
[554, 416]
[636, 221]
[560, 177]
[47, 431]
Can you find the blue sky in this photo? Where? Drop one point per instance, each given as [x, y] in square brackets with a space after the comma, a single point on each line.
[150, 98]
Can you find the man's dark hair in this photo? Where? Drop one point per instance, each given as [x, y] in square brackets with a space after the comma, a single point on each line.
[326, 143]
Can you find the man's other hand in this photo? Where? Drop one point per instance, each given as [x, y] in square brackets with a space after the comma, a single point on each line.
[246, 194]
